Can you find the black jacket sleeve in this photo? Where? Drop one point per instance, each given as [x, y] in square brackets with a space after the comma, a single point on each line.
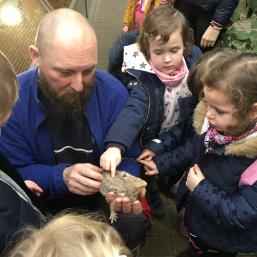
[224, 10]
[131, 119]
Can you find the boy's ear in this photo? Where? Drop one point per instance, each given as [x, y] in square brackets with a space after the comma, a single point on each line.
[34, 54]
[254, 111]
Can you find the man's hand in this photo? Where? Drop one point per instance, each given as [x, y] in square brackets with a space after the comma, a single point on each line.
[209, 37]
[123, 204]
[34, 187]
[194, 177]
[150, 167]
[110, 159]
[147, 155]
[83, 178]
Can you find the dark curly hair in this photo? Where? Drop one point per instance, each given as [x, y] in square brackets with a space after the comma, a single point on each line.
[237, 78]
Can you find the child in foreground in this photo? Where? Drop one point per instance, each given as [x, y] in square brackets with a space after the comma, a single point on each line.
[220, 207]
[72, 235]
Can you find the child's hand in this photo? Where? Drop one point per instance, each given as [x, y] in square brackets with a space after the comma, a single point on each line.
[150, 167]
[209, 37]
[194, 177]
[125, 29]
[147, 155]
[110, 159]
[35, 188]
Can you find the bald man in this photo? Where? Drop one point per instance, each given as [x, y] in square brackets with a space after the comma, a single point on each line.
[65, 109]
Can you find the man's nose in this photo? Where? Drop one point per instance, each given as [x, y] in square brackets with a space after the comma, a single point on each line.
[77, 83]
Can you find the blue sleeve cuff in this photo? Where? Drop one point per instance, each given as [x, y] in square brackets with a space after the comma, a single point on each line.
[61, 188]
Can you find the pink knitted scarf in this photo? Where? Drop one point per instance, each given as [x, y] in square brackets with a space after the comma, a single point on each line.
[173, 79]
[214, 137]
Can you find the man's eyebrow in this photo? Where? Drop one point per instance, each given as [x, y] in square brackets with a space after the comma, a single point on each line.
[62, 69]
[90, 68]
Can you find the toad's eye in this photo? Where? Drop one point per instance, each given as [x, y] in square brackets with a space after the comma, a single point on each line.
[125, 176]
[122, 193]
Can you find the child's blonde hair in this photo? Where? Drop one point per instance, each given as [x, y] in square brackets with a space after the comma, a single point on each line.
[237, 78]
[8, 88]
[163, 21]
[73, 235]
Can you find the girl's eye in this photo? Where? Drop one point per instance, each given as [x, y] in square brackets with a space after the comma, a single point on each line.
[220, 112]
[157, 53]
[174, 51]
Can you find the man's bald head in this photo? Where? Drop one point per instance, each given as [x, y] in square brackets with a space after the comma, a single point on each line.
[63, 26]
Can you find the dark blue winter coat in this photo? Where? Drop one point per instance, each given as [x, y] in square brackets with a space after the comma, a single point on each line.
[179, 133]
[219, 211]
[222, 9]
[175, 136]
[146, 104]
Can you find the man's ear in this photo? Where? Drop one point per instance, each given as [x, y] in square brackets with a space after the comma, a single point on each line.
[34, 54]
[254, 111]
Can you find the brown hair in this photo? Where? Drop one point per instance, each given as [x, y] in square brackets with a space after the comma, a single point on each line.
[8, 88]
[202, 67]
[72, 235]
[237, 78]
[163, 21]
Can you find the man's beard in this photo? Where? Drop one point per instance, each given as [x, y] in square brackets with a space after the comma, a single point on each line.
[67, 107]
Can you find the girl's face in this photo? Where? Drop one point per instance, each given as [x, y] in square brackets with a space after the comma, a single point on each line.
[220, 110]
[167, 57]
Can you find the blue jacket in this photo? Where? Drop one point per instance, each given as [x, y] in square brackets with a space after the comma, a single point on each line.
[222, 9]
[143, 113]
[219, 211]
[25, 139]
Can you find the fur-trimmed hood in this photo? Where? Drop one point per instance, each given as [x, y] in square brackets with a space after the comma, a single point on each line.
[246, 147]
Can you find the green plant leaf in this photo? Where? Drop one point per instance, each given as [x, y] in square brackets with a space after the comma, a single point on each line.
[254, 46]
[241, 35]
[253, 35]
[252, 4]
[236, 16]
[254, 24]
[236, 45]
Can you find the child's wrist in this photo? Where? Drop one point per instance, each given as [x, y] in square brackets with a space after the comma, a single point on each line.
[121, 147]
[216, 25]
